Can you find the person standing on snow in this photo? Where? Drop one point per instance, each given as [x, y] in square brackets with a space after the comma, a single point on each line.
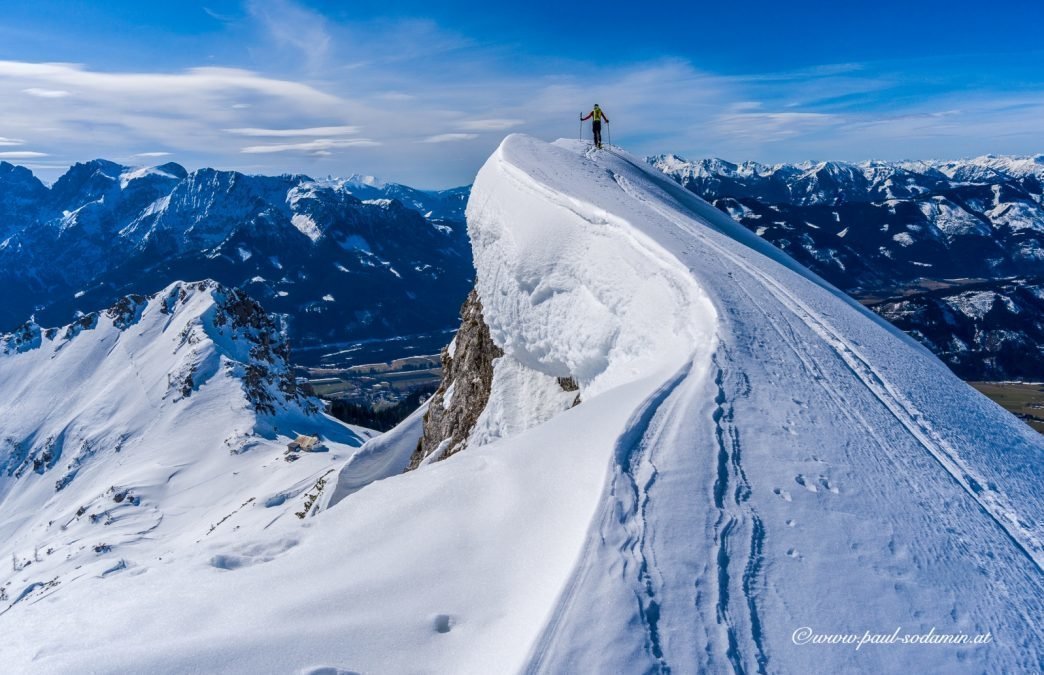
[596, 116]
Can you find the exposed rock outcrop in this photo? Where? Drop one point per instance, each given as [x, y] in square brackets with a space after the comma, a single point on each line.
[467, 378]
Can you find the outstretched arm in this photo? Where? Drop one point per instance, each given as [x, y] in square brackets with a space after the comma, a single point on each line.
[605, 118]
[584, 119]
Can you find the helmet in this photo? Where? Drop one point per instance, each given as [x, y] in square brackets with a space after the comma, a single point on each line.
[596, 105]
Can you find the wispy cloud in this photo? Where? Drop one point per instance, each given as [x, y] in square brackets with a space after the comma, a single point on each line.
[223, 18]
[293, 133]
[22, 154]
[320, 146]
[449, 138]
[152, 154]
[165, 88]
[117, 113]
[46, 93]
[10, 141]
[297, 27]
[490, 124]
[770, 127]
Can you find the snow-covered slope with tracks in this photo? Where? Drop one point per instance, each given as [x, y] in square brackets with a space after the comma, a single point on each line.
[754, 453]
[808, 466]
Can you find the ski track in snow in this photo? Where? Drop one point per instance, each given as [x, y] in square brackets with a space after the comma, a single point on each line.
[739, 531]
[627, 499]
[990, 500]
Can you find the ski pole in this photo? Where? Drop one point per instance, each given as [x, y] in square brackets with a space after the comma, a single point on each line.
[609, 131]
[581, 127]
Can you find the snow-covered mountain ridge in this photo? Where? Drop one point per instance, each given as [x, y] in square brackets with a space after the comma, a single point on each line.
[396, 256]
[808, 183]
[532, 283]
[878, 224]
[752, 453]
[880, 229]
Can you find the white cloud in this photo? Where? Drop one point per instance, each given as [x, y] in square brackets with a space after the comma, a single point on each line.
[490, 124]
[152, 154]
[413, 87]
[10, 141]
[22, 154]
[116, 113]
[773, 126]
[165, 87]
[224, 18]
[319, 147]
[46, 93]
[291, 25]
[449, 138]
[291, 133]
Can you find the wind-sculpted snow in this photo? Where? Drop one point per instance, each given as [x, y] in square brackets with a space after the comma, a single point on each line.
[755, 459]
[570, 289]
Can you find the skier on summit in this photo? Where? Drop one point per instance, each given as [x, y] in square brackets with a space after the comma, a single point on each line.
[596, 116]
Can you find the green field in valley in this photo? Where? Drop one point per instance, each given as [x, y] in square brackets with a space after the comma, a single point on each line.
[1024, 400]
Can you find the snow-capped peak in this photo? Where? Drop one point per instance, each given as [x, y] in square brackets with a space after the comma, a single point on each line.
[169, 171]
[360, 180]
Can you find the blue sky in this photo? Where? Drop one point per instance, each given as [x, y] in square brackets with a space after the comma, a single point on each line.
[421, 92]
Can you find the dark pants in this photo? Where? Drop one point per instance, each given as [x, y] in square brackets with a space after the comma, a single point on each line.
[596, 129]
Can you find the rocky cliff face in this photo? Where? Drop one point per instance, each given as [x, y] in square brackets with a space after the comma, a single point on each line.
[486, 395]
[467, 379]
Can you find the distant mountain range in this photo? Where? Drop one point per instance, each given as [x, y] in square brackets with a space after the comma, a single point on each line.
[972, 229]
[988, 331]
[350, 263]
[340, 260]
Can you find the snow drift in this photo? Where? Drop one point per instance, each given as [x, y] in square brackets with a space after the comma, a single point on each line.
[753, 454]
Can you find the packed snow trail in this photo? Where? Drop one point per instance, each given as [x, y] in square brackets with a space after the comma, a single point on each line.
[754, 454]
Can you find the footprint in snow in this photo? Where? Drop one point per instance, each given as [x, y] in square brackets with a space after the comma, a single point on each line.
[783, 494]
[328, 670]
[805, 483]
[443, 623]
[793, 553]
[825, 482]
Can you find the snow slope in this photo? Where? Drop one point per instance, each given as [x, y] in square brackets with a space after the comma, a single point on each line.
[754, 453]
[140, 433]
